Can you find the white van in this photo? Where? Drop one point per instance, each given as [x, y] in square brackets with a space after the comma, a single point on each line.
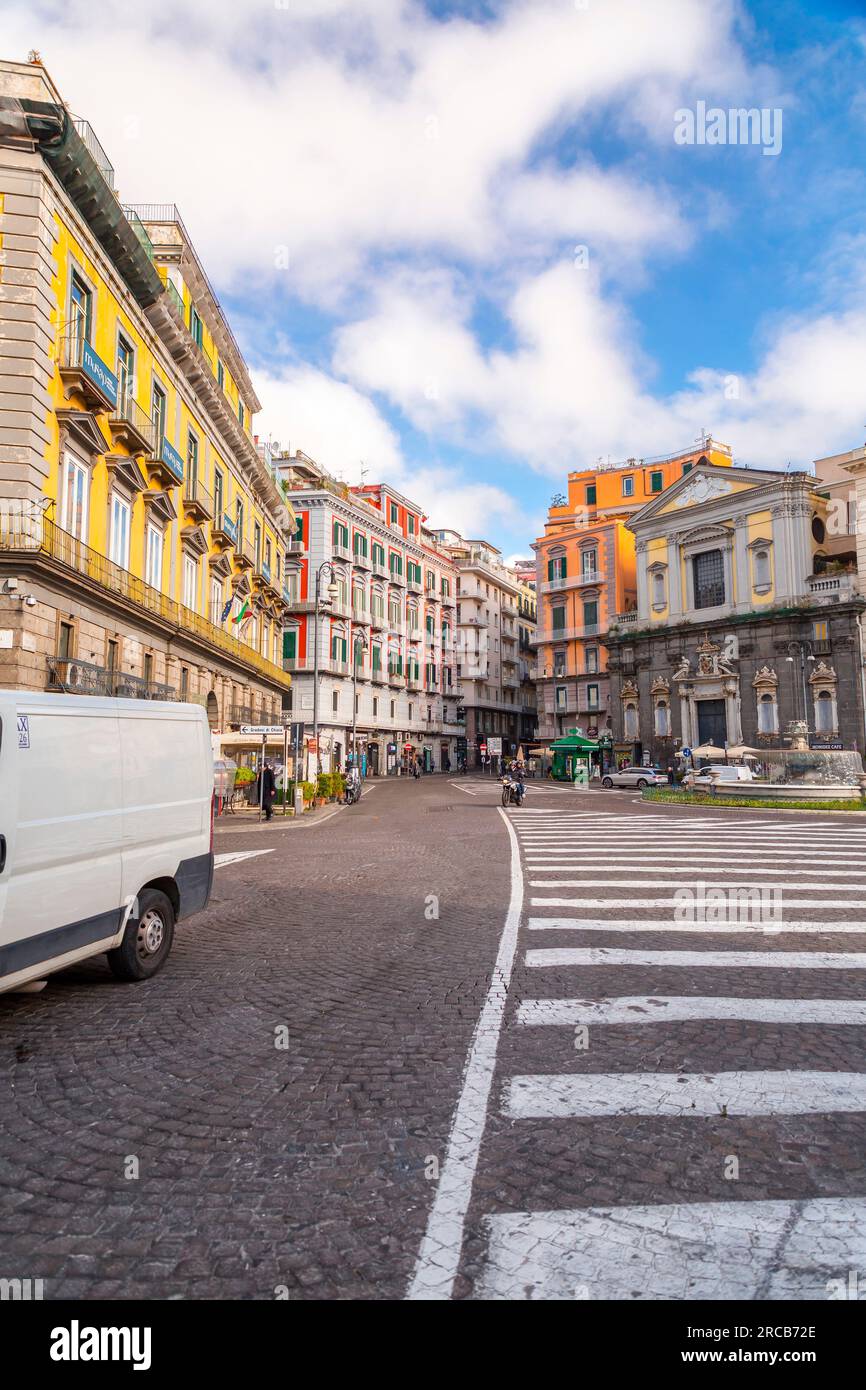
[106, 833]
[718, 772]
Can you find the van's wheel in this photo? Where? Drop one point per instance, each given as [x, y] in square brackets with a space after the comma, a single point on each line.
[147, 939]
[606, 782]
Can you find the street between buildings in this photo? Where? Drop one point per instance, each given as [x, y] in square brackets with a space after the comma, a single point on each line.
[427, 1048]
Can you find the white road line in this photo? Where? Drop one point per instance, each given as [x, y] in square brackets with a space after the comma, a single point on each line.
[467, 790]
[737, 873]
[822, 858]
[687, 1095]
[687, 881]
[647, 1008]
[711, 1250]
[439, 1256]
[695, 960]
[221, 860]
[668, 925]
[832, 903]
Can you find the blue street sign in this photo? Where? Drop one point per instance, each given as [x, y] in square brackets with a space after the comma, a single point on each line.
[687, 752]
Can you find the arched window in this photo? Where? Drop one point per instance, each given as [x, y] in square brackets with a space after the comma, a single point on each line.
[825, 719]
[659, 588]
[663, 719]
[630, 721]
[767, 714]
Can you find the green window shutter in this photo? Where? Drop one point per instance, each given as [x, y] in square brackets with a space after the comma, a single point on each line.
[290, 645]
[563, 567]
[549, 570]
[558, 619]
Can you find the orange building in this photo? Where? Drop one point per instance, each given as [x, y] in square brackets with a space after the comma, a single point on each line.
[585, 565]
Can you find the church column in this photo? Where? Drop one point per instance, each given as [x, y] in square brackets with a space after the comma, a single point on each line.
[675, 597]
[642, 591]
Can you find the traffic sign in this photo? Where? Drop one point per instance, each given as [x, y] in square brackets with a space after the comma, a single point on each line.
[262, 730]
[687, 752]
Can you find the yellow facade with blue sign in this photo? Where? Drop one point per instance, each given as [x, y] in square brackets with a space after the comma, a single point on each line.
[136, 506]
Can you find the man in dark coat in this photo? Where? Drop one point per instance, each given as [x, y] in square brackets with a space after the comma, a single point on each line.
[269, 790]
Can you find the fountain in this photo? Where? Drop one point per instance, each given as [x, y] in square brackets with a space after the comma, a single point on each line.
[801, 773]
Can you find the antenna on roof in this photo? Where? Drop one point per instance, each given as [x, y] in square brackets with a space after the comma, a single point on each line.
[364, 471]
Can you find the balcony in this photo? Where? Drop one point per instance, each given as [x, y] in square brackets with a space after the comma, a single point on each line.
[197, 501]
[84, 373]
[378, 621]
[414, 680]
[380, 568]
[76, 677]
[572, 581]
[395, 677]
[396, 578]
[447, 600]
[335, 665]
[245, 555]
[340, 551]
[165, 463]
[472, 622]
[94, 148]
[565, 634]
[224, 529]
[832, 588]
[38, 542]
[414, 586]
[625, 619]
[361, 560]
[378, 676]
[361, 616]
[132, 426]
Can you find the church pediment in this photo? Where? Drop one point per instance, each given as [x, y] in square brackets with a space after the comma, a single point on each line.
[707, 483]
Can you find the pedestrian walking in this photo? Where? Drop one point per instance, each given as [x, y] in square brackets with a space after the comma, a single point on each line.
[416, 768]
[268, 790]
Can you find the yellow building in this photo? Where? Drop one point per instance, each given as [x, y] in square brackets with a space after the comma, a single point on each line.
[138, 516]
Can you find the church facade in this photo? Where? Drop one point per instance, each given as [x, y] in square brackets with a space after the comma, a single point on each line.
[742, 623]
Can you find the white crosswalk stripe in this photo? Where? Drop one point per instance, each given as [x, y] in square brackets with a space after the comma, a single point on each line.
[718, 893]
[806, 881]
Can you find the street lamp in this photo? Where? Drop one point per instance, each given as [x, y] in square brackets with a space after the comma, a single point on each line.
[801, 648]
[360, 642]
[330, 596]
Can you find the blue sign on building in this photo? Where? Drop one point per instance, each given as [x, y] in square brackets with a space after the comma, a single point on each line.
[93, 366]
[172, 459]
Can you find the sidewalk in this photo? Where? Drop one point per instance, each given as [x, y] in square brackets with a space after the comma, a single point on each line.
[247, 819]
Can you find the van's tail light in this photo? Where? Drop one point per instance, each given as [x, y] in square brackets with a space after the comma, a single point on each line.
[212, 806]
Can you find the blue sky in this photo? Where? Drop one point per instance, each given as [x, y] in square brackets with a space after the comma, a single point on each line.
[389, 196]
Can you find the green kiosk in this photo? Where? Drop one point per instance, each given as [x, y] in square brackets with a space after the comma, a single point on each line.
[572, 757]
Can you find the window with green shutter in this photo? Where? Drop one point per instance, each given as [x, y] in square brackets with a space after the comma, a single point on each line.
[290, 644]
[558, 617]
[591, 494]
[656, 481]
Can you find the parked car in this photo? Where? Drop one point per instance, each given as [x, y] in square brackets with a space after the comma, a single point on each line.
[717, 772]
[639, 777]
[106, 831]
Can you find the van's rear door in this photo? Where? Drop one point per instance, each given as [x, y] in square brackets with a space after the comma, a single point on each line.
[63, 892]
[8, 800]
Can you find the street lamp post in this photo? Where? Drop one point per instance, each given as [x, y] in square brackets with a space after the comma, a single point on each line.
[331, 595]
[805, 653]
[360, 641]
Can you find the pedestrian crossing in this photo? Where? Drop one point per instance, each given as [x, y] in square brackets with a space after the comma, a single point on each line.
[612, 904]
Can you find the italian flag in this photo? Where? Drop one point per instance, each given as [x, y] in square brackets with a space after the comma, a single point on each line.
[238, 617]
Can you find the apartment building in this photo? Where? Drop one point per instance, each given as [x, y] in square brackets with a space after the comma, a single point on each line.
[488, 660]
[586, 574]
[384, 643]
[138, 519]
[841, 479]
[523, 574]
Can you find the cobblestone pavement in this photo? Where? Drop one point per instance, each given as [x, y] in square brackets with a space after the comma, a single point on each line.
[332, 1092]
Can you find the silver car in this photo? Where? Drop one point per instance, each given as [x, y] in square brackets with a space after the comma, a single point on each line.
[639, 777]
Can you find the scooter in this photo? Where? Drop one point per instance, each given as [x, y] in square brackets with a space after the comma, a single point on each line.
[352, 793]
